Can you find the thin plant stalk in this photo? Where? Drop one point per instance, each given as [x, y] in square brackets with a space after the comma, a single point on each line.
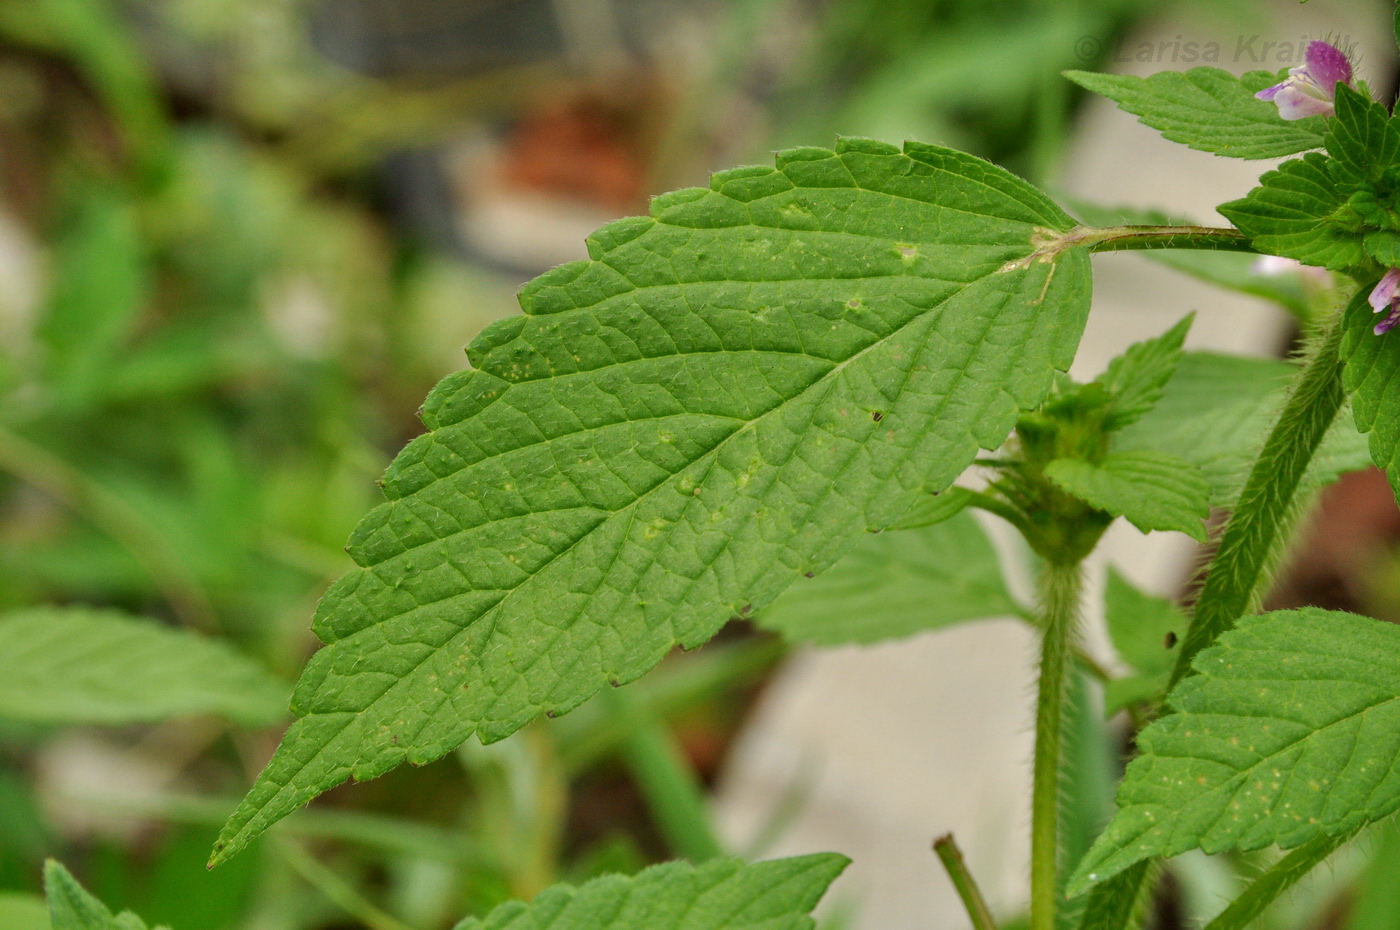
[964, 883]
[1060, 588]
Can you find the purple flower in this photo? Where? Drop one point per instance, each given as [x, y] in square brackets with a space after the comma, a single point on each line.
[1386, 296]
[1311, 87]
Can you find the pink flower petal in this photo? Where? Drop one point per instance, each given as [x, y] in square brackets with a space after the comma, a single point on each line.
[1295, 103]
[1384, 293]
[1327, 65]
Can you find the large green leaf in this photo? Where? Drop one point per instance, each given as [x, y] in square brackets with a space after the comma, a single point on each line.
[71, 907]
[896, 583]
[722, 400]
[1289, 731]
[722, 894]
[75, 665]
[1297, 211]
[1209, 109]
[1216, 412]
[1152, 490]
[1371, 374]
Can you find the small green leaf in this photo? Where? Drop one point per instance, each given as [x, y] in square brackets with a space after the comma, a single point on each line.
[1135, 380]
[1145, 631]
[724, 398]
[1143, 628]
[1298, 211]
[935, 508]
[897, 583]
[1152, 490]
[1209, 109]
[72, 908]
[1371, 374]
[1290, 730]
[76, 665]
[1362, 139]
[1217, 410]
[722, 894]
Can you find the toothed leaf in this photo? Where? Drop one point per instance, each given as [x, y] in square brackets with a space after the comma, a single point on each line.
[1209, 109]
[722, 894]
[1290, 730]
[1152, 490]
[726, 397]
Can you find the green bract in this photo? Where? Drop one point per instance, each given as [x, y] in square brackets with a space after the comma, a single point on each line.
[722, 400]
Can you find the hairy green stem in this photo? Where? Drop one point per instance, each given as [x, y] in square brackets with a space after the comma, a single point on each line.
[668, 783]
[1284, 875]
[964, 883]
[1060, 589]
[1242, 559]
[1137, 238]
[1241, 562]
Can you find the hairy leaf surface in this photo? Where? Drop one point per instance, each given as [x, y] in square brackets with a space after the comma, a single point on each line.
[1289, 731]
[1209, 109]
[75, 665]
[1216, 412]
[722, 894]
[723, 399]
[896, 583]
[1152, 490]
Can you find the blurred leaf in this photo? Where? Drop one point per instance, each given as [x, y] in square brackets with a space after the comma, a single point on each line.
[23, 912]
[185, 895]
[72, 908]
[99, 288]
[1145, 631]
[1370, 375]
[722, 894]
[895, 584]
[1217, 410]
[79, 665]
[95, 37]
[1152, 490]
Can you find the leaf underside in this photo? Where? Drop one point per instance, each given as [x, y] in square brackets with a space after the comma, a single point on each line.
[1289, 731]
[897, 583]
[722, 894]
[1209, 109]
[723, 399]
[77, 665]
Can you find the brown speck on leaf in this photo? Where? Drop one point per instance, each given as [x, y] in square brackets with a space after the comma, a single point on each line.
[876, 415]
[615, 683]
[810, 574]
[1169, 641]
[550, 714]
